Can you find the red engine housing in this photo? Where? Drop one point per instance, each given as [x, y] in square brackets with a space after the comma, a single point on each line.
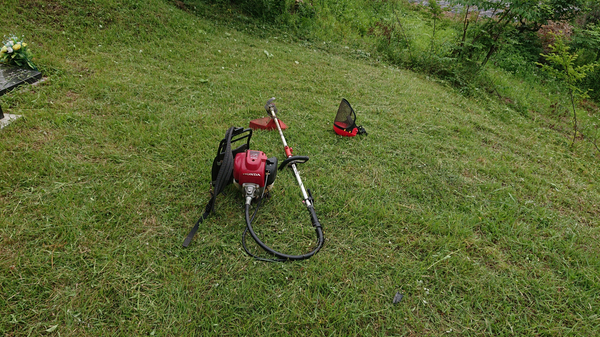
[249, 167]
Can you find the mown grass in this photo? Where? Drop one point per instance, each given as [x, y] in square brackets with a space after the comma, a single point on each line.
[479, 214]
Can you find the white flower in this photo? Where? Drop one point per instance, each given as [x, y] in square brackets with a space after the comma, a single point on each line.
[9, 50]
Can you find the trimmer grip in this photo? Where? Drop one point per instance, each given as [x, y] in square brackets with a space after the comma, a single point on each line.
[313, 216]
[293, 160]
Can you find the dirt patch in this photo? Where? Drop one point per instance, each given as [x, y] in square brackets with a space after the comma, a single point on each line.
[48, 7]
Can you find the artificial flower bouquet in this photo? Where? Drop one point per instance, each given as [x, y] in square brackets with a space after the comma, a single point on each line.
[15, 52]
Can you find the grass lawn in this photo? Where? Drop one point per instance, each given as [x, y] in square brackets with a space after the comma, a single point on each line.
[481, 216]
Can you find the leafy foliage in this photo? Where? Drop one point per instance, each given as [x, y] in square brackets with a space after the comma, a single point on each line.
[587, 41]
[436, 14]
[561, 65]
[265, 9]
[488, 34]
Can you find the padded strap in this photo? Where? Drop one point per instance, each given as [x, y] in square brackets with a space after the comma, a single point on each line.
[223, 178]
[207, 211]
[226, 170]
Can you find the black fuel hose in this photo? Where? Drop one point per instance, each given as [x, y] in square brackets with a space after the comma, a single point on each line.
[280, 256]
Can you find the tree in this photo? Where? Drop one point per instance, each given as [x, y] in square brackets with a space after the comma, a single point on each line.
[488, 34]
[561, 65]
[436, 14]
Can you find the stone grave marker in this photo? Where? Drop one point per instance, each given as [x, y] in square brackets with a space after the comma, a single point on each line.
[10, 78]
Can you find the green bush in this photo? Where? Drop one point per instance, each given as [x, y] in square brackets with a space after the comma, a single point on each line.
[519, 53]
[586, 41]
[264, 9]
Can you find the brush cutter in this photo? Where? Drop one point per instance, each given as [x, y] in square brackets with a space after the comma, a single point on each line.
[254, 173]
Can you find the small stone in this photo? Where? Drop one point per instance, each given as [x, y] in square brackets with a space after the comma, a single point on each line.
[398, 297]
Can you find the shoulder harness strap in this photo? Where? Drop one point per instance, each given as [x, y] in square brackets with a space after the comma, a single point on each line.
[223, 179]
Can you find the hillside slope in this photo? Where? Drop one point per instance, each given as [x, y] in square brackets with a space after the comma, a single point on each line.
[481, 217]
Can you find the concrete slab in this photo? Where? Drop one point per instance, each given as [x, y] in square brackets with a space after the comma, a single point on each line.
[8, 118]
